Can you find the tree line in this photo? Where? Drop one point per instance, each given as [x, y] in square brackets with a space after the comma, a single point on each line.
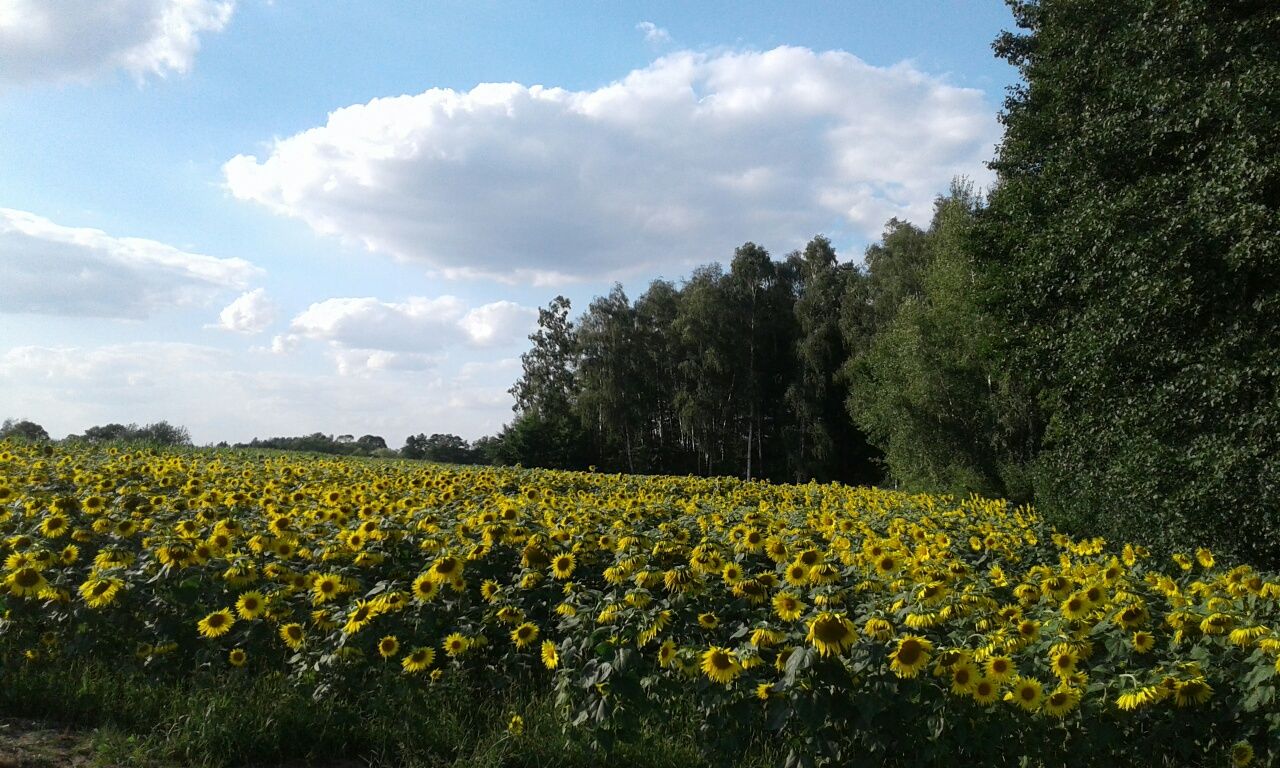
[1099, 333]
[444, 448]
[795, 369]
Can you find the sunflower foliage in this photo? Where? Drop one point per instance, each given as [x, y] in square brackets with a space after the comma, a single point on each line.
[846, 623]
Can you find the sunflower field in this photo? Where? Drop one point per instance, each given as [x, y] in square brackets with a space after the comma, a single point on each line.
[846, 623]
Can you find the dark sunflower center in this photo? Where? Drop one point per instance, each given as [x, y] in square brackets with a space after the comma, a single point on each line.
[829, 630]
[909, 652]
[27, 577]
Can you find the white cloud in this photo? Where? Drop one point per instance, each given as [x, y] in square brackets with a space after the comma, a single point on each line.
[50, 269]
[352, 362]
[500, 322]
[416, 324]
[653, 34]
[673, 165]
[68, 389]
[366, 334]
[76, 39]
[251, 313]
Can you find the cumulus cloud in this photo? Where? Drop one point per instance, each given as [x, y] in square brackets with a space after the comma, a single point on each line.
[76, 39]
[653, 34]
[251, 313]
[370, 334]
[50, 269]
[69, 388]
[674, 164]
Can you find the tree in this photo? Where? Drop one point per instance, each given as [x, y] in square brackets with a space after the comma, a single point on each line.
[22, 429]
[928, 388]
[107, 433]
[546, 431]
[370, 443]
[162, 433]
[608, 377]
[823, 443]
[1132, 248]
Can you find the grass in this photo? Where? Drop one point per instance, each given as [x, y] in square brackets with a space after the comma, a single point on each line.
[223, 720]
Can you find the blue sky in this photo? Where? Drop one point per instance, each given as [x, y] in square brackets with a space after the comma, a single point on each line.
[217, 213]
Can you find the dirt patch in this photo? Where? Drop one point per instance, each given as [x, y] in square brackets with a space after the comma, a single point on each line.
[27, 744]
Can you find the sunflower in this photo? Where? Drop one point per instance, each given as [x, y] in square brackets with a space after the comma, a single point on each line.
[1143, 642]
[1204, 557]
[1139, 697]
[763, 637]
[250, 605]
[1131, 616]
[731, 573]
[26, 582]
[524, 634]
[509, 614]
[237, 657]
[886, 565]
[720, 665]
[788, 606]
[878, 628]
[910, 656]
[54, 526]
[985, 691]
[425, 588]
[99, 592]
[388, 646]
[292, 635]
[489, 590]
[216, 624]
[1063, 662]
[1028, 630]
[797, 574]
[964, 676]
[1075, 607]
[1000, 668]
[1194, 691]
[562, 565]
[456, 644]
[1061, 701]
[418, 660]
[447, 568]
[326, 587]
[667, 653]
[1241, 754]
[360, 616]
[708, 620]
[1026, 693]
[831, 633]
[550, 656]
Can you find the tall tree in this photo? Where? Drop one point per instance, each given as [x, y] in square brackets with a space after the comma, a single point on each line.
[929, 389]
[546, 430]
[658, 349]
[1133, 250]
[824, 443]
[609, 375]
[705, 394]
[758, 306]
